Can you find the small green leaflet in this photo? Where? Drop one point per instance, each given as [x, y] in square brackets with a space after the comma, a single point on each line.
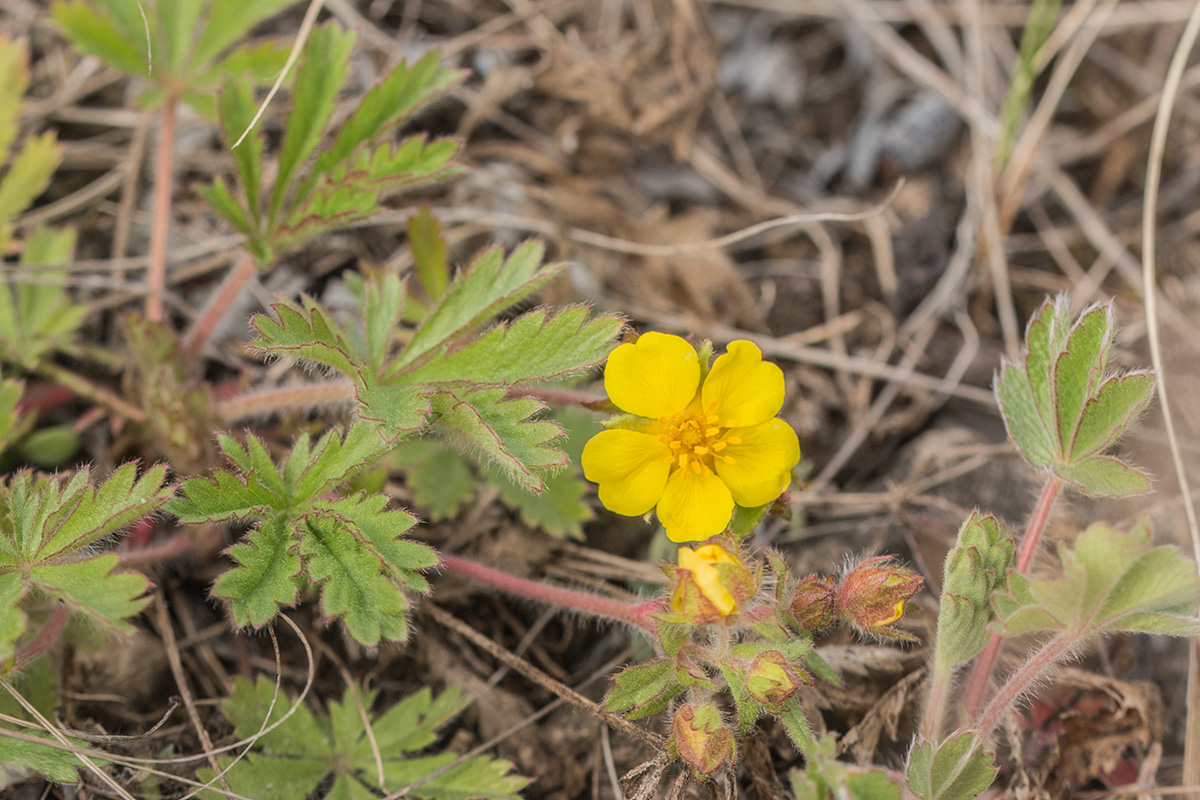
[309, 750]
[952, 770]
[826, 778]
[46, 529]
[35, 682]
[1061, 406]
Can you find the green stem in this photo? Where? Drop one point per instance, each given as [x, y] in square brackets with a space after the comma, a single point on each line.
[636, 614]
[164, 168]
[941, 678]
[982, 672]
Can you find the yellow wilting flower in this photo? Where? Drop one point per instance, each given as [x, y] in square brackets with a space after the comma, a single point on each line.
[691, 449]
[710, 584]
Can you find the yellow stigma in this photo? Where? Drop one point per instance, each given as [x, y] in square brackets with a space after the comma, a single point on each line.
[696, 440]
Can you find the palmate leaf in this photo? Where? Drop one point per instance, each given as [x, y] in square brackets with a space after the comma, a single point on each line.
[307, 750]
[1111, 582]
[44, 530]
[1061, 407]
[307, 332]
[37, 316]
[267, 575]
[951, 770]
[186, 38]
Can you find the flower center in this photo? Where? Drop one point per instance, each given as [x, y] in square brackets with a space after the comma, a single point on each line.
[696, 438]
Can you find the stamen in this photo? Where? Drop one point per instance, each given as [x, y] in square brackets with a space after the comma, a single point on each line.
[733, 439]
[711, 431]
[729, 459]
[719, 446]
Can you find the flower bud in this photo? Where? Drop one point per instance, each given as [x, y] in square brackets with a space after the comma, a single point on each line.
[710, 584]
[771, 681]
[699, 737]
[813, 601]
[873, 595]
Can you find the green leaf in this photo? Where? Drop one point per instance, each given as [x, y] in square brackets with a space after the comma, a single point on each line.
[428, 249]
[534, 347]
[28, 174]
[797, 727]
[488, 285]
[228, 21]
[1105, 476]
[393, 99]
[1111, 582]
[10, 418]
[352, 582]
[952, 770]
[320, 75]
[45, 527]
[94, 33]
[382, 306]
[307, 751]
[179, 20]
[826, 778]
[1061, 409]
[439, 478]
[266, 577]
[14, 80]
[643, 690]
[237, 108]
[91, 588]
[40, 316]
[1119, 401]
[485, 421]
[35, 683]
[306, 332]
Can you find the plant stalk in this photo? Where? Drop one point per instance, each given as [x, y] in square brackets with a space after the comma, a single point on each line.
[636, 614]
[217, 305]
[164, 169]
[1020, 682]
[271, 401]
[982, 673]
[85, 388]
[940, 681]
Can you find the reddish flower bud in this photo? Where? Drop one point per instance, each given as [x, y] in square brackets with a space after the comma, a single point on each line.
[873, 595]
[771, 680]
[813, 602]
[710, 584]
[699, 737]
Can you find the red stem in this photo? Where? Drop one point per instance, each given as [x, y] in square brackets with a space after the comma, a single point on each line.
[218, 304]
[1045, 658]
[637, 614]
[982, 672]
[272, 401]
[44, 638]
[164, 167]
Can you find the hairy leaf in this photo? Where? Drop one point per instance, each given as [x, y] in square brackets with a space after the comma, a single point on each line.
[307, 751]
[1062, 410]
[976, 566]
[44, 530]
[951, 770]
[266, 577]
[1111, 582]
[536, 346]
[488, 285]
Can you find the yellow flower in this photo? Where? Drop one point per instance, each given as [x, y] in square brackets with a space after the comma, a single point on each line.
[697, 449]
[703, 587]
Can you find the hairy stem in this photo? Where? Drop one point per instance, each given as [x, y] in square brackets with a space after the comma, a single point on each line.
[217, 305]
[637, 614]
[941, 678]
[1038, 664]
[271, 401]
[85, 388]
[982, 672]
[164, 169]
[44, 638]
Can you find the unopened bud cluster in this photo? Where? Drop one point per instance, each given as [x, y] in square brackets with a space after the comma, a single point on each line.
[871, 597]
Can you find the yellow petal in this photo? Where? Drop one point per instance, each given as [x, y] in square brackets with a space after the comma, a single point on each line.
[743, 386]
[694, 507]
[657, 376]
[630, 467]
[762, 462]
[707, 579]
